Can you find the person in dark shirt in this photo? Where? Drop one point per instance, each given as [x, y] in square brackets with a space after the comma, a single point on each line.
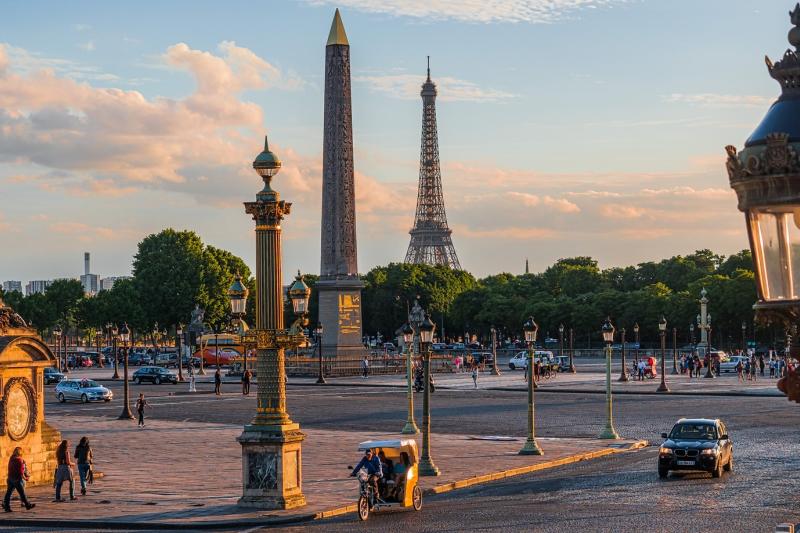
[17, 476]
[372, 464]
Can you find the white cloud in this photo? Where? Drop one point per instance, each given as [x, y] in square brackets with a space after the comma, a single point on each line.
[88, 46]
[719, 100]
[407, 87]
[479, 11]
[556, 204]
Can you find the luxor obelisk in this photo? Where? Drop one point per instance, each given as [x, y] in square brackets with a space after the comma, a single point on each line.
[339, 285]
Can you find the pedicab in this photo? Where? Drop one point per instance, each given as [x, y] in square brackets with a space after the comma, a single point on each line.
[398, 488]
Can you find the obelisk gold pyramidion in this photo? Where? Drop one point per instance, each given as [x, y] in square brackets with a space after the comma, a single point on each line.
[339, 284]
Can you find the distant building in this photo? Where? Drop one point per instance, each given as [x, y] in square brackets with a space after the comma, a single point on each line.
[38, 286]
[106, 284]
[11, 286]
[90, 282]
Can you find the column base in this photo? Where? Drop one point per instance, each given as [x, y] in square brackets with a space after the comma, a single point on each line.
[410, 428]
[609, 433]
[624, 378]
[663, 388]
[531, 448]
[272, 466]
[427, 468]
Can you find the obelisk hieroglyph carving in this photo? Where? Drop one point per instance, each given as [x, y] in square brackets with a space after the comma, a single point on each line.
[339, 285]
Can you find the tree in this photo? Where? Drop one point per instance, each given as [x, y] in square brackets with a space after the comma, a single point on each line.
[63, 298]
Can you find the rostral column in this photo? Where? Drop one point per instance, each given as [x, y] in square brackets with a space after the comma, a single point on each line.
[339, 284]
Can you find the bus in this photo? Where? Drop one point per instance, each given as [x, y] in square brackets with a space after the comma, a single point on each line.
[228, 345]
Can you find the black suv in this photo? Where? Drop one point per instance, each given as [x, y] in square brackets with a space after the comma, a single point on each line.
[154, 374]
[696, 444]
[51, 375]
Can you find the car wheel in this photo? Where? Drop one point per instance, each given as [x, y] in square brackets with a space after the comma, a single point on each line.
[157, 381]
[84, 398]
[717, 472]
[107, 400]
[416, 498]
[138, 381]
[511, 366]
[61, 398]
[663, 472]
[729, 465]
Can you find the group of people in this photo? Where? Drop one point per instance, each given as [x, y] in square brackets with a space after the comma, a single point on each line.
[386, 478]
[247, 378]
[19, 473]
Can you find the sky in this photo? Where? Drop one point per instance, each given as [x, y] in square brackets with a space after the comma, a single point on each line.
[566, 127]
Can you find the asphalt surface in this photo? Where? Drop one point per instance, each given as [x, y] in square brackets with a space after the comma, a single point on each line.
[620, 493]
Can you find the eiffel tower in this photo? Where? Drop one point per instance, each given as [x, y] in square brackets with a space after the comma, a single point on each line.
[430, 237]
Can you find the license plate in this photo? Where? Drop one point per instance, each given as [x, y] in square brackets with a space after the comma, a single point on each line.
[685, 463]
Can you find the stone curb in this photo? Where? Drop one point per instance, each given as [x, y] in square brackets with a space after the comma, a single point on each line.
[308, 517]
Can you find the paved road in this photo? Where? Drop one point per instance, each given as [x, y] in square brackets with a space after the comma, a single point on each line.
[618, 494]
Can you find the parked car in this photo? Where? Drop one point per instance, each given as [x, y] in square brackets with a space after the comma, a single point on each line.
[438, 347]
[84, 390]
[154, 374]
[458, 346]
[563, 363]
[696, 444]
[161, 359]
[137, 359]
[51, 375]
[483, 358]
[730, 365]
[86, 359]
[520, 360]
[389, 347]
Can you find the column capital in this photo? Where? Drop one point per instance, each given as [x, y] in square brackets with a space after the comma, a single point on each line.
[268, 214]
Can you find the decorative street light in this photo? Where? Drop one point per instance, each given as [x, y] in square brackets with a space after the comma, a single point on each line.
[608, 336]
[426, 466]
[57, 333]
[662, 331]
[179, 349]
[624, 374]
[495, 366]
[272, 441]
[408, 340]
[571, 351]
[125, 337]
[530, 328]
[636, 332]
[691, 336]
[675, 351]
[237, 294]
[744, 337]
[318, 331]
[115, 340]
[560, 341]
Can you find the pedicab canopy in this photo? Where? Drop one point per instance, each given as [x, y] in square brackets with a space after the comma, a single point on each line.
[405, 445]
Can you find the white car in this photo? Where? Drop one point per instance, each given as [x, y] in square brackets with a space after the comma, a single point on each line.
[521, 359]
[730, 365]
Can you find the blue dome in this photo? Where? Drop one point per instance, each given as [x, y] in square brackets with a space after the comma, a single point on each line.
[783, 117]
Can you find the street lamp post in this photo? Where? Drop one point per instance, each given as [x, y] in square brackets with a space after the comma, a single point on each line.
[237, 294]
[608, 336]
[744, 337]
[560, 341]
[125, 337]
[530, 329]
[571, 350]
[662, 331]
[636, 332]
[624, 374]
[426, 465]
[408, 339]
[691, 336]
[495, 366]
[179, 349]
[57, 334]
[318, 334]
[674, 351]
[272, 442]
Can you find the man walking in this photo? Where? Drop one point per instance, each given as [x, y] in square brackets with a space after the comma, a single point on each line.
[141, 403]
[475, 376]
[218, 382]
[246, 382]
[192, 382]
[364, 367]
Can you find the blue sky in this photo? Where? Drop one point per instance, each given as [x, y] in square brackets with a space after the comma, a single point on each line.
[567, 127]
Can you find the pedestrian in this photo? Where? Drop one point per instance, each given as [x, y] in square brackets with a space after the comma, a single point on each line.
[640, 368]
[141, 403]
[246, 382]
[364, 367]
[698, 365]
[218, 382]
[761, 364]
[64, 471]
[83, 456]
[739, 369]
[747, 369]
[475, 376]
[772, 369]
[690, 366]
[192, 381]
[17, 476]
[754, 368]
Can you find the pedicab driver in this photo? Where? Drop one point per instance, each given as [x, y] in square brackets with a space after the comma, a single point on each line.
[372, 463]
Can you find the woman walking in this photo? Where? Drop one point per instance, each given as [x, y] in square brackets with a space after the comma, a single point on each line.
[218, 382]
[64, 471]
[475, 376]
[83, 456]
[192, 384]
[141, 403]
[17, 476]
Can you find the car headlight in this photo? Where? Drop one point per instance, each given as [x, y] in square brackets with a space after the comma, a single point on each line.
[665, 451]
[709, 451]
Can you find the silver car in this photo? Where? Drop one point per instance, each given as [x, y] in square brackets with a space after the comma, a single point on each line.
[84, 390]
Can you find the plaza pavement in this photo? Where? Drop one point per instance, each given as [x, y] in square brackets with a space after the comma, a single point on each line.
[187, 475]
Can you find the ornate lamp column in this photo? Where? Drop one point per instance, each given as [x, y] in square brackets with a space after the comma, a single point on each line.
[408, 339]
[662, 331]
[624, 373]
[675, 351]
[426, 466]
[571, 350]
[125, 337]
[57, 334]
[636, 333]
[608, 336]
[237, 294]
[271, 443]
[530, 329]
[318, 334]
[495, 366]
